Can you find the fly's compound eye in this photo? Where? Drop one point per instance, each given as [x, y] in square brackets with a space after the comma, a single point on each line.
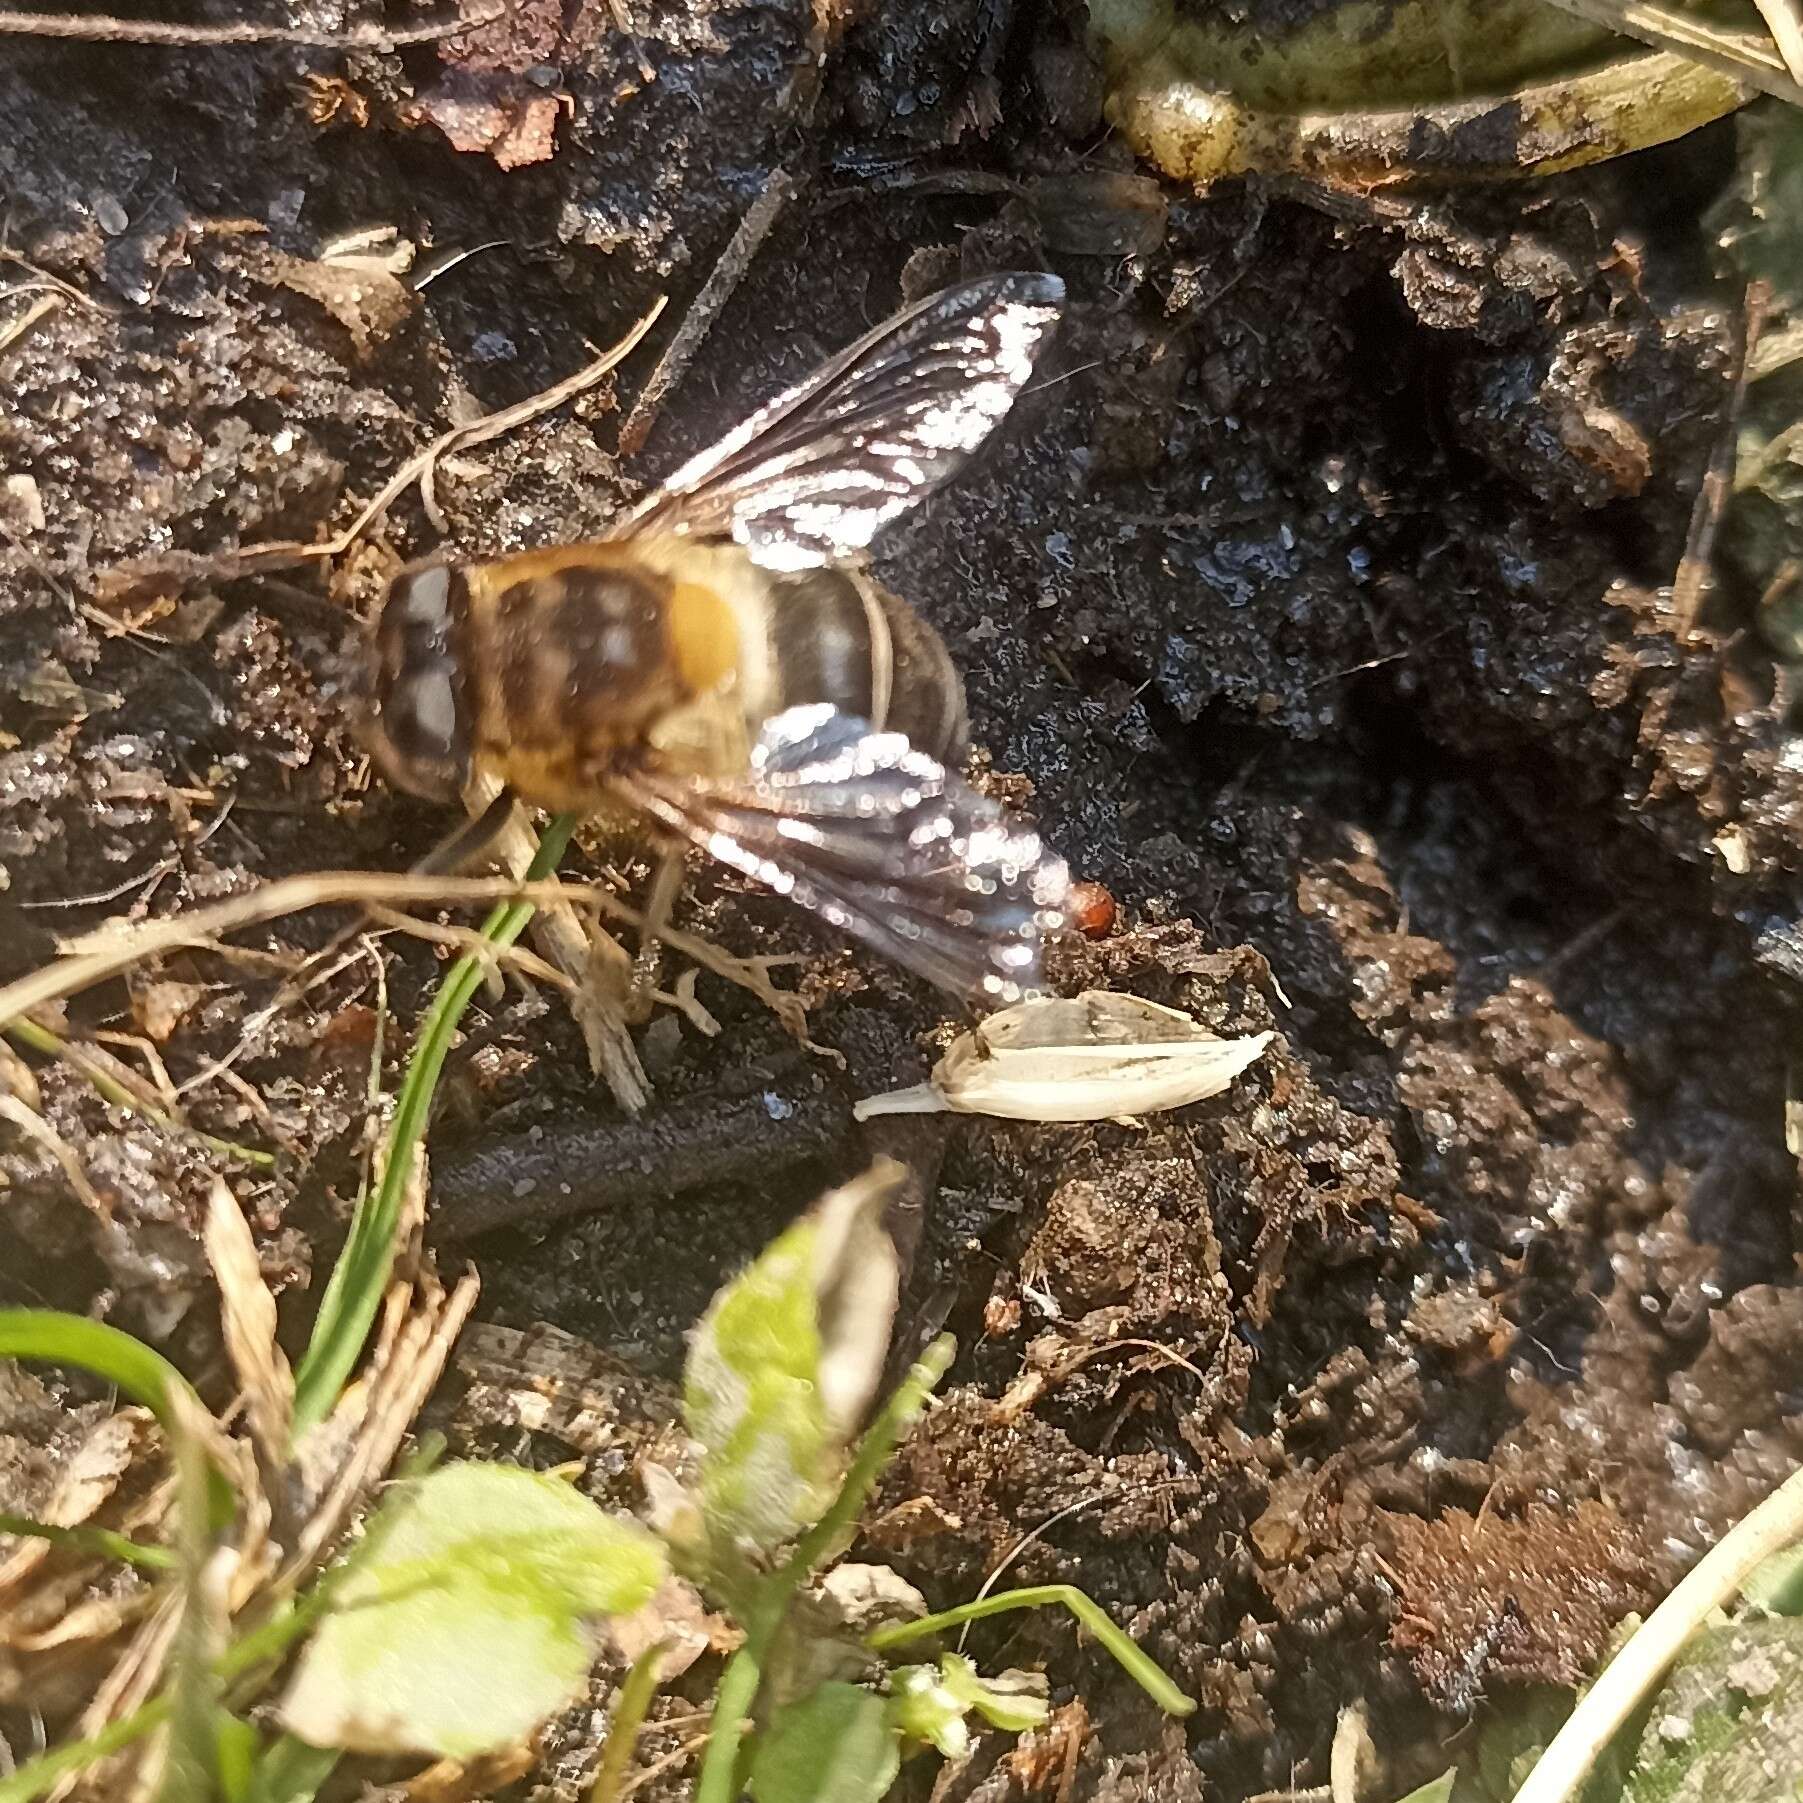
[418, 729]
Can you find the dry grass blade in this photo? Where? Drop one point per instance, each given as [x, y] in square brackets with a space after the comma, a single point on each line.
[467, 939]
[46, 303]
[1690, 586]
[1744, 55]
[35, 1127]
[249, 1315]
[394, 1388]
[716, 291]
[101, 28]
[1785, 24]
[93, 957]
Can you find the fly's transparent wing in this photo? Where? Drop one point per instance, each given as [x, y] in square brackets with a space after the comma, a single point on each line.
[881, 841]
[809, 479]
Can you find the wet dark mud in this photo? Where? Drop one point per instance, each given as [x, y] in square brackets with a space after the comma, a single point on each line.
[1318, 603]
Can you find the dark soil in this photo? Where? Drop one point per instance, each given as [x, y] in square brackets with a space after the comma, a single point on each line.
[1316, 602]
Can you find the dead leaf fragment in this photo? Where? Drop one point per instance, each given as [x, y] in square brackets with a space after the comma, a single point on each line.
[677, 1617]
[514, 122]
[368, 301]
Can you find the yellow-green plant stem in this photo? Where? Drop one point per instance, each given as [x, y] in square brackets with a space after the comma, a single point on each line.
[40, 1039]
[733, 1701]
[623, 1731]
[1139, 1666]
[102, 1542]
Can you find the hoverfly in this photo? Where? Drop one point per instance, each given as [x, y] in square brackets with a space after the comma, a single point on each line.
[723, 666]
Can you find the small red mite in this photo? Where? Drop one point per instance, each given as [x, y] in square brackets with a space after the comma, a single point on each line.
[1091, 910]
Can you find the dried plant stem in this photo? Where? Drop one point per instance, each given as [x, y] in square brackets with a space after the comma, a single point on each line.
[1562, 1769]
[1786, 26]
[1691, 584]
[101, 28]
[120, 1093]
[97, 956]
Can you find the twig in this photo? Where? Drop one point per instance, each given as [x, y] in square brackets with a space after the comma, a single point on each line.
[1631, 1674]
[1691, 582]
[84, 1060]
[706, 307]
[101, 28]
[46, 303]
[467, 939]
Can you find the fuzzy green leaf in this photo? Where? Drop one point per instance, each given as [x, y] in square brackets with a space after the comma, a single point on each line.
[462, 1624]
[834, 1746]
[783, 1366]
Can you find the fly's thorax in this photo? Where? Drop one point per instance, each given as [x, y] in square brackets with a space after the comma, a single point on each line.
[569, 660]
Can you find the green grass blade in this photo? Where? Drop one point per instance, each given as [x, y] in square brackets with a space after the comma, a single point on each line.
[38, 1777]
[1139, 1666]
[354, 1292]
[55, 1338]
[101, 1542]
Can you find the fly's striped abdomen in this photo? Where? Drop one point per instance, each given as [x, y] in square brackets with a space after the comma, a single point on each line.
[837, 636]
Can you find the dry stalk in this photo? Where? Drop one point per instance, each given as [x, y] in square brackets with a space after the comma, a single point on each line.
[1691, 583]
[35, 1127]
[588, 955]
[93, 957]
[1785, 24]
[249, 1315]
[101, 28]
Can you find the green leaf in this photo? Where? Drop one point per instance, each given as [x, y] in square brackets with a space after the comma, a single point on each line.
[462, 1625]
[834, 1746]
[1435, 1790]
[784, 1364]
[290, 1771]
